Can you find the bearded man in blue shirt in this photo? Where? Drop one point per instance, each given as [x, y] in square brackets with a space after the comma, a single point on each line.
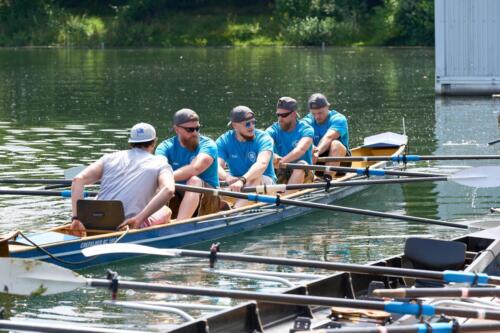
[292, 142]
[247, 152]
[194, 160]
[331, 133]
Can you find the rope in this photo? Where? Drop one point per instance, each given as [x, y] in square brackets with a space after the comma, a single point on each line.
[62, 260]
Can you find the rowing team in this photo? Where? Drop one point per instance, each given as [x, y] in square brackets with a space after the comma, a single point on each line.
[144, 182]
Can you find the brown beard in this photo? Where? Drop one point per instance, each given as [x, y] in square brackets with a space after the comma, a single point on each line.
[286, 126]
[191, 144]
[247, 137]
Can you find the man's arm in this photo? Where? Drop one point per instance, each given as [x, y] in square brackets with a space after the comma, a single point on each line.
[89, 175]
[326, 140]
[257, 169]
[197, 166]
[166, 188]
[299, 150]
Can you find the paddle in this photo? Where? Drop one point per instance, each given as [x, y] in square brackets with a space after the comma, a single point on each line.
[57, 328]
[450, 327]
[493, 142]
[64, 194]
[468, 177]
[278, 201]
[35, 181]
[35, 278]
[446, 276]
[409, 158]
[483, 176]
[437, 292]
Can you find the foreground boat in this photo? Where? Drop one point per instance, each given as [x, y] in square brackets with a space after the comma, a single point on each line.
[336, 303]
[58, 246]
[482, 256]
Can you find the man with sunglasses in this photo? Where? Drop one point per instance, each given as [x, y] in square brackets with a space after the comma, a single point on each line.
[331, 133]
[248, 152]
[292, 142]
[194, 160]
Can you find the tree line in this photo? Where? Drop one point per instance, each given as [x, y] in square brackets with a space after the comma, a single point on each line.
[164, 23]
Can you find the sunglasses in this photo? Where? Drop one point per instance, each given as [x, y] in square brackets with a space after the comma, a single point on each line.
[250, 122]
[191, 129]
[284, 114]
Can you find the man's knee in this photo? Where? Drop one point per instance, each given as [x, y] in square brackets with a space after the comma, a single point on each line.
[337, 148]
[195, 181]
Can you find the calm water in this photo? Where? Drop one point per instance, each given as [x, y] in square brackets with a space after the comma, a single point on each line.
[62, 108]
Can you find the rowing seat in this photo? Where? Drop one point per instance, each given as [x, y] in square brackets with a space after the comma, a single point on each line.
[100, 214]
[434, 254]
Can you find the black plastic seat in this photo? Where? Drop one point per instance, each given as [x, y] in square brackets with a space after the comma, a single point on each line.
[434, 254]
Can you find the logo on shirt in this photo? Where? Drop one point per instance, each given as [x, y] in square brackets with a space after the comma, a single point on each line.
[252, 156]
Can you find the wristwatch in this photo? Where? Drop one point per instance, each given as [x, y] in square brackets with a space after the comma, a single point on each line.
[243, 179]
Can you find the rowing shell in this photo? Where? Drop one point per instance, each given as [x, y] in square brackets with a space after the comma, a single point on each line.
[58, 243]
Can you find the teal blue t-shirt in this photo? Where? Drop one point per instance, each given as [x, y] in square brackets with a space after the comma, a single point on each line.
[285, 142]
[240, 156]
[335, 121]
[178, 156]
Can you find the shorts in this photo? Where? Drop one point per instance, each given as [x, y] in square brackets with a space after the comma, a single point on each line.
[285, 174]
[346, 164]
[208, 203]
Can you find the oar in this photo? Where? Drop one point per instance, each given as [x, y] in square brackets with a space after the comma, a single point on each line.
[64, 194]
[35, 181]
[409, 158]
[437, 292]
[481, 176]
[450, 327]
[57, 328]
[493, 142]
[446, 276]
[31, 277]
[469, 177]
[278, 201]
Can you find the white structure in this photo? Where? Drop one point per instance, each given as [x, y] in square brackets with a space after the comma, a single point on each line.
[467, 47]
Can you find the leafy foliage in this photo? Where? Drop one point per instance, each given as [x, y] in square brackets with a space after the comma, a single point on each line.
[216, 22]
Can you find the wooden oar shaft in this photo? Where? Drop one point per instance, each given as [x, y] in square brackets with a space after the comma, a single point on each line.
[360, 171]
[55, 328]
[283, 187]
[277, 200]
[437, 292]
[353, 268]
[409, 158]
[417, 328]
[35, 181]
[394, 307]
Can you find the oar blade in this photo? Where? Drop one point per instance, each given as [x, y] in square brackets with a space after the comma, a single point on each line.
[480, 177]
[128, 248]
[35, 278]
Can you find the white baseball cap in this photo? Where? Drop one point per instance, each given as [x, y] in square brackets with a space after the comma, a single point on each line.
[142, 132]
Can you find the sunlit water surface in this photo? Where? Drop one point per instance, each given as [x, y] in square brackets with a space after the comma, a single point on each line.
[63, 108]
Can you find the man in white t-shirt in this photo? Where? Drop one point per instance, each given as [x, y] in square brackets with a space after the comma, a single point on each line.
[143, 182]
